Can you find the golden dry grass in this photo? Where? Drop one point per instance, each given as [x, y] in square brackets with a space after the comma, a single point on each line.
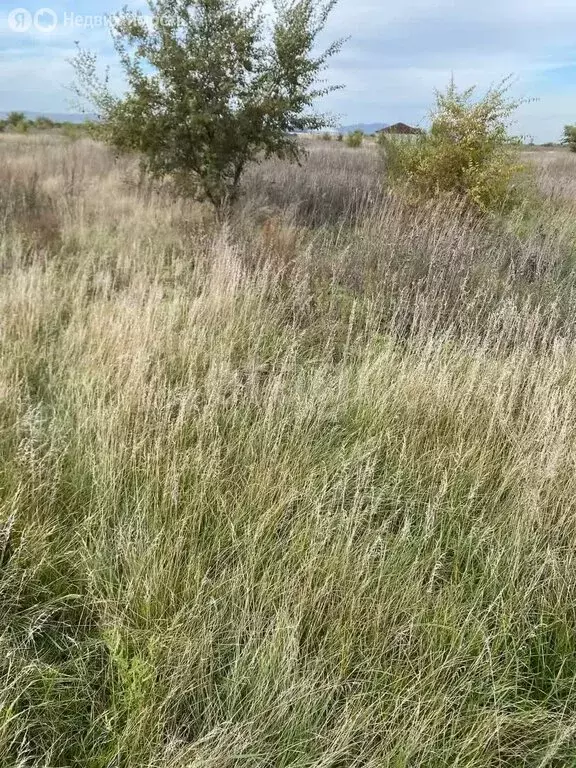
[294, 491]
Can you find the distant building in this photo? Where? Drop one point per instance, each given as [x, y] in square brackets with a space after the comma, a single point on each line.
[401, 129]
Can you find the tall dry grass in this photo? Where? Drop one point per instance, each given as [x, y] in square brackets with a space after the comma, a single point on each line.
[295, 491]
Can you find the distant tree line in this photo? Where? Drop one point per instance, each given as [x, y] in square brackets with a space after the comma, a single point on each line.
[17, 122]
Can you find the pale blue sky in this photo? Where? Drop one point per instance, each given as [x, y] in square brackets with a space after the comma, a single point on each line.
[398, 52]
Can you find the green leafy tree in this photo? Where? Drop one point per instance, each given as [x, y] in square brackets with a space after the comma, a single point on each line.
[468, 150]
[15, 118]
[570, 137]
[211, 86]
[44, 123]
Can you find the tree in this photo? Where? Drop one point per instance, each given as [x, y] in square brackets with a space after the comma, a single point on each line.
[15, 118]
[570, 137]
[210, 88]
[468, 150]
[44, 123]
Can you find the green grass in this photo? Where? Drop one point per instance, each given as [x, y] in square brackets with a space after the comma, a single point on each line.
[269, 501]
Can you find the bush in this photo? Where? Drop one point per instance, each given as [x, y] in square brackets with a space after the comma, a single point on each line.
[73, 131]
[570, 137]
[15, 118]
[355, 139]
[468, 150]
[340, 137]
[44, 123]
[22, 127]
[383, 139]
[326, 136]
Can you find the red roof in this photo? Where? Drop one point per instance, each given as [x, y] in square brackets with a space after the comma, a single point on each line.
[401, 128]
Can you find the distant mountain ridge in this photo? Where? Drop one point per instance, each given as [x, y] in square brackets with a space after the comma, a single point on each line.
[367, 128]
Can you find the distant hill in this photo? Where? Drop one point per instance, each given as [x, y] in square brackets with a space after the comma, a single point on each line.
[55, 116]
[367, 128]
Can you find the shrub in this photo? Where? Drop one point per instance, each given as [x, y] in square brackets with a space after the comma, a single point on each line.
[383, 139]
[340, 137]
[44, 123]
[326, 136]
[468, 150]
[570, 137]
[209, 90]
[73, 131]
[22, 127]
[355, 139]
[15, 118]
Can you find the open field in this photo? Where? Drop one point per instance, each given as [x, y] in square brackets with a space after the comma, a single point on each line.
[299, 490]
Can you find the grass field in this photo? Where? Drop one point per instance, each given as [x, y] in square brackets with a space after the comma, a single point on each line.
[299, 490]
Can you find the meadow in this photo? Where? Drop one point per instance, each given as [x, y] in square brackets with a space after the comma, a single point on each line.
[298, 489]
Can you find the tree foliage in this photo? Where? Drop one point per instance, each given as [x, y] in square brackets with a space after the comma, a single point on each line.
[468, 150]
[570, 137]
[15, 118]
[211, 86]
[43, 123]
[355, 139]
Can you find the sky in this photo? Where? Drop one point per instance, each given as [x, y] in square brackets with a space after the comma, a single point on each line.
[397, 54]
